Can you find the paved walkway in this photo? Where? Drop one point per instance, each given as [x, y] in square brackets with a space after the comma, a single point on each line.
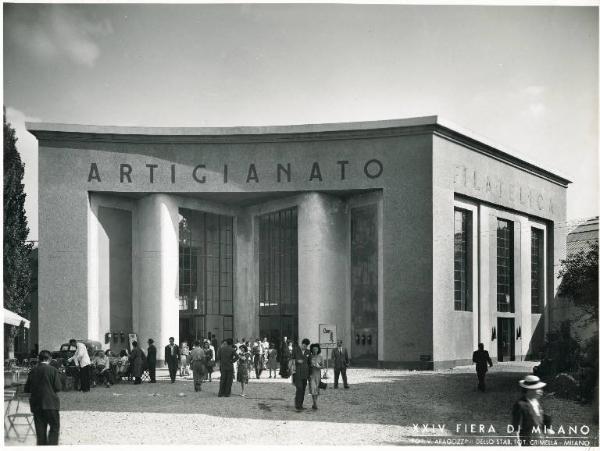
[381, 407]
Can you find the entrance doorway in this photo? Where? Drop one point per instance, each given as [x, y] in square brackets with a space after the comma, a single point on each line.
[205, 276]
[506, 339]
[364, 282]
[278, 275]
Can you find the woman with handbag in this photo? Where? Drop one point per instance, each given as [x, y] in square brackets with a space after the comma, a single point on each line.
[314, 380]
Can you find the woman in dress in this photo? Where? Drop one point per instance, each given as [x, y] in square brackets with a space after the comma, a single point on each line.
[209, 360]
[243, 368]
[183, 362]
[314, 379]
[272, 361]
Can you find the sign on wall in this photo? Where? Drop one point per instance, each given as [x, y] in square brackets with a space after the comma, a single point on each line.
[328, 335]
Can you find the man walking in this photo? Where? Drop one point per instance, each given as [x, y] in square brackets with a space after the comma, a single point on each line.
[300, 357]
[481, 358]
[172, 358]
[228, 356]
[82, 359]
[151, 359]
[43, 382]
[197, 359]
[340, 363]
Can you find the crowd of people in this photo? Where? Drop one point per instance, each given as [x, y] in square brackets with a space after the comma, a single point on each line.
[239, 361]
[302, 362]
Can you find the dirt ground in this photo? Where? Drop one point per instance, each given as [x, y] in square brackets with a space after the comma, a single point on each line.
[382, 407]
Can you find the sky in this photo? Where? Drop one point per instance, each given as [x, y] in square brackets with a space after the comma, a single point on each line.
[525, 77]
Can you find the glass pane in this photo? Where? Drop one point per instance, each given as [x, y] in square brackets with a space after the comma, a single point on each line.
[505, 266]
[278, 263]
[205, 269]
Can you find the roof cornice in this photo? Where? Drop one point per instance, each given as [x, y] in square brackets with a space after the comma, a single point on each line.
[49, 133]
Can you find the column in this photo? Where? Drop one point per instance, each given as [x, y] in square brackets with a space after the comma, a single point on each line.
[322, 265]
[156, 310]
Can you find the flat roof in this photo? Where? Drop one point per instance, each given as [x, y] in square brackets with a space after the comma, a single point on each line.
[302, 132]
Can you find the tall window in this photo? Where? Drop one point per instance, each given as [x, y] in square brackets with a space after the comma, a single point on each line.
[505, 266]
[278, 274]
[462, 262]
[205, 274]
[537, 270]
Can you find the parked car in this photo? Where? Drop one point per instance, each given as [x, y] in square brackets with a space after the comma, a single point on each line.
[66, 351]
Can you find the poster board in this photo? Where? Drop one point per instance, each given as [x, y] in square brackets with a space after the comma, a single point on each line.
[328, 336]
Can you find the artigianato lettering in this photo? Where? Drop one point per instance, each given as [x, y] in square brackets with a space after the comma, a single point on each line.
[280, 172]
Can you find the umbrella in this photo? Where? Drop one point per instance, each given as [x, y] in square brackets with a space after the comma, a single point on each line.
[14, 320]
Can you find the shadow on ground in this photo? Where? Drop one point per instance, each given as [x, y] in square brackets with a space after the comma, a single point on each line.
[384, 398]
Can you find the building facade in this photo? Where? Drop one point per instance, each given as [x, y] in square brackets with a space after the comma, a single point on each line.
[416, 239]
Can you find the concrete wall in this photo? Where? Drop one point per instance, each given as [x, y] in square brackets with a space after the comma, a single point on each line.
[497, 190]
[408, 254]
[63, 218]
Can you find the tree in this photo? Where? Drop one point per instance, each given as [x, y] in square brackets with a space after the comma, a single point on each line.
[17, 268]
[579, 274]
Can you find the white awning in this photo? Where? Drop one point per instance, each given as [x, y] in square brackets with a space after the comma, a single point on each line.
[14, 320]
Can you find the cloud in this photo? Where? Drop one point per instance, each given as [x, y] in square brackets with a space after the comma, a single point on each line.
[534, 90]
[533, 98]
[536, 109]
[17, 118]
[52, 31]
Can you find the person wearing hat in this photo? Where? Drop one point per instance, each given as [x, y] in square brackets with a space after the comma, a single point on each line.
[528, 417]
[151, 360]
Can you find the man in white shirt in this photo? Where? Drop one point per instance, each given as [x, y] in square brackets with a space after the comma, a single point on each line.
[82, 360]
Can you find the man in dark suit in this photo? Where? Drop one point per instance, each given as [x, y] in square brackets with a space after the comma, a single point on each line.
[340, 363]
[172, 358]
[43, 382]
[228, 356]
[300, 357]
[481, 358]
[151, 360]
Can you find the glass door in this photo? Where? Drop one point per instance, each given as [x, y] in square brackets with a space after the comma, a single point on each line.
[506, 339]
